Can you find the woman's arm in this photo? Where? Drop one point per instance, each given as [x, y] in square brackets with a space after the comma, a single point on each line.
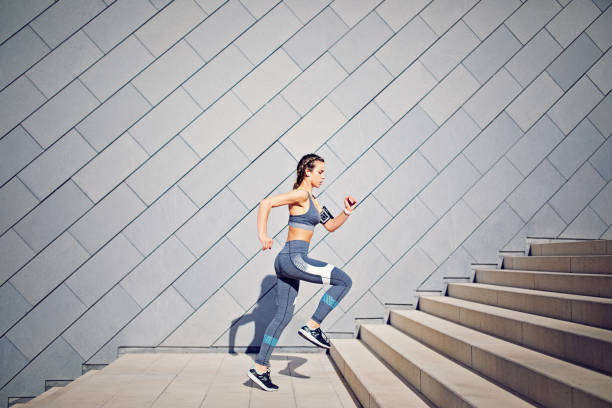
[339, 219]
[265, 205]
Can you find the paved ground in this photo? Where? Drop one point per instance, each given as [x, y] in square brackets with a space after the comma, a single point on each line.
[181, 380]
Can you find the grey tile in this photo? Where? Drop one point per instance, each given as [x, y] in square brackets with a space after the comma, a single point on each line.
[449, 94]
[315, 38]
[398, 284]
[160, 220]
[167, 72]
[60, 114]
[450, 185]
[492, 98]
[12, 360]
[535, 145]
[569, 23]
[53, 215]
[64, 64]
[398, 12]
[259, 8]
[14, 306]
[18, 53]
[14, 252]
[600, 116]
[365, 269]
[449, 50]
[405, 136]
[213, 173]
[602, 4]
[219, 29]
[600, 73]
[493, 233]
[16, 200]
[599, 31]
[491, 54]
[49, 268]
[575, 104]
[404, 183]
[440, 15]
[162, 170]
[450, 139]
[456, 265]
[216, 217]
[209, 273]
[359, 133]
[574, 61]
[18, 100]
[208, 5]
[113, 117]
[150, 327]
[314, 84]
[531, 17]
[527, 64]
[17, 149]
[449, 232]
[360, 87]
[101, 322]
[268, 33]
[361, 41]
[577, 192]
[102, 271]
[216, 77]
[351, 11]
[263, 128]
[366, 307]
[535, 190]
[493, 142]
[173, 22]
[60, 161]
[489, 14]
[577, 147]
[407, 44]
[59, 21]
[39, 327]
[265, 81]
[601, 204]
[369, 217]
[110, 167]
[602, 160]
[545, 223]
[157, 271]
[215, 124]
[117, 22]
[306, 10]
[531, 104]
[16, 15]
[190, 332]
[405, 91]
[107, 218]
[405, 230]
[586, 225]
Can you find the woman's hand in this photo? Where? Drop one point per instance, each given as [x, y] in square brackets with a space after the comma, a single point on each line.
[266, 242]
[350, 203]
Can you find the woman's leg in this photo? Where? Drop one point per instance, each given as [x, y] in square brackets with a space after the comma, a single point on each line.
[286, 292]
[341, 284]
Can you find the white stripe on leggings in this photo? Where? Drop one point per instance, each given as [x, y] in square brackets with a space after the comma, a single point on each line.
[323, 271]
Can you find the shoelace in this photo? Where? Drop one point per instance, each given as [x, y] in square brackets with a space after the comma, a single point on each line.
[320, 333]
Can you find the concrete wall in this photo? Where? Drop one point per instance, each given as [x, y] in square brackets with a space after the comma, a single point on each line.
[137, 138]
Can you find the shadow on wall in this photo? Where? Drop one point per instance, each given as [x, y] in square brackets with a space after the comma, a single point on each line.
[261, 315]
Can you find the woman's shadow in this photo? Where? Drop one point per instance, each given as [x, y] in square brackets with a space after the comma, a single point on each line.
[261, 315]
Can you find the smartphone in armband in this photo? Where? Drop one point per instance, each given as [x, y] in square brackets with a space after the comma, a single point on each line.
[325, 215]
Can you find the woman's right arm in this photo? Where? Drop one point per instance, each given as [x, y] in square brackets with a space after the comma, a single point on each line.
[265, 205]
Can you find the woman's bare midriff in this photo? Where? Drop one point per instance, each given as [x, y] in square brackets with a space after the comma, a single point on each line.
[299, 234]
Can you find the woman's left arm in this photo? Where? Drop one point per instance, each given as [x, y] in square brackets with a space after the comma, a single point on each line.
[349, 205]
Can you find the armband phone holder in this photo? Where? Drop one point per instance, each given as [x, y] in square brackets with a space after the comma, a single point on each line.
[325, 215]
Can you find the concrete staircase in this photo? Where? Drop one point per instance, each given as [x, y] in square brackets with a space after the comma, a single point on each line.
[537, 332]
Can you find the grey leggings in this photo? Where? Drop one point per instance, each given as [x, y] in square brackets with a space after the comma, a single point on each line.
[292, 265]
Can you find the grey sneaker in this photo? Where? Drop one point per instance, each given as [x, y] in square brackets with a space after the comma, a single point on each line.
[316, 336]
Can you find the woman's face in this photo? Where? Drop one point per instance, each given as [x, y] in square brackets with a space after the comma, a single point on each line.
[317, 175]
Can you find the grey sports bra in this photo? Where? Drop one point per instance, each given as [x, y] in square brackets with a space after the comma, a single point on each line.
[307, 220]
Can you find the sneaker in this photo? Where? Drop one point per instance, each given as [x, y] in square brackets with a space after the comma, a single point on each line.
[263, 380]
[315, 336]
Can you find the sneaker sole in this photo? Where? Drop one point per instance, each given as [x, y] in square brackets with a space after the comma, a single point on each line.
[256, 381]
[311, 339]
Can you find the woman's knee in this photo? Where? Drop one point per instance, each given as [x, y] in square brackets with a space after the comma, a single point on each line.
[339, 277]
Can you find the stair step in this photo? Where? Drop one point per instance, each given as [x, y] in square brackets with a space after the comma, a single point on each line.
[585, 345]
[590, 310]
[371, 381]
[443, 381]
[575, 264]
[575, 283]
[53, 393]
[544, 379]
[590, 247]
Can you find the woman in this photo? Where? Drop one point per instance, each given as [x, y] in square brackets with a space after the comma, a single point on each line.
[292, 263]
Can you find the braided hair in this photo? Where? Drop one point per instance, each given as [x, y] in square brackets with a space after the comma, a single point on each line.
[306, 162]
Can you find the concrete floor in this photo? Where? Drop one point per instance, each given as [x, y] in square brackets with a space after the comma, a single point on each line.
[182, 380]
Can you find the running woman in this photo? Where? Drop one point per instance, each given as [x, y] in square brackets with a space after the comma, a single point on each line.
[292, 263]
